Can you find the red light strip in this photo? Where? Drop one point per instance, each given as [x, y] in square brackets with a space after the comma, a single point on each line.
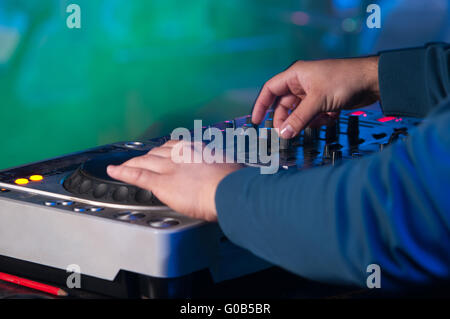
[386, 119]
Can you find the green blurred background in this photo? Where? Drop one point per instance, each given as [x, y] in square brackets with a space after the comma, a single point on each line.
[139, 68]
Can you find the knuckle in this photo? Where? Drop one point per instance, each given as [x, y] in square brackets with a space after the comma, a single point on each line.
[119, 171]
[134, 161]
[266, 86]
[140, 177]
[153, 150]
[297, 120]
[141, 160]
[171, 142]
[298, 63]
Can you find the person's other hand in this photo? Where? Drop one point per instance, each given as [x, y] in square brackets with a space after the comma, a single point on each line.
[308, 88]
[188, 188]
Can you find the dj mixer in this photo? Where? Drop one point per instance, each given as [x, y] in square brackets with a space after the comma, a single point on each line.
[68, 211]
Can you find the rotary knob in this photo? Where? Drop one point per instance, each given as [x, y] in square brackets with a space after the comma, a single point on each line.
[353, 125]
[331, 133]
[268, 123]
[285, 144]
[336, 156]
[353, 131]
[310, 134]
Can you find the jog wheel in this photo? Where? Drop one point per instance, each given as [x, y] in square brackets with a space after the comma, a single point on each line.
[91, 181]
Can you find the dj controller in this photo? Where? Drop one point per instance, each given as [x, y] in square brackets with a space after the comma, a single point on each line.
[68, 211]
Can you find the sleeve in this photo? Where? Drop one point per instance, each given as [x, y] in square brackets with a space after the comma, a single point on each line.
[414, 81]
[328, 224]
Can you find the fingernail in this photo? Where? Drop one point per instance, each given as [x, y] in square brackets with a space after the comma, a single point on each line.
[286, 131]
[110, 168]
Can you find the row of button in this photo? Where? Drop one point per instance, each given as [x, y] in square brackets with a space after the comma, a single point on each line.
[155, 223]
[125, 216]
[71, 203]
[33, 178]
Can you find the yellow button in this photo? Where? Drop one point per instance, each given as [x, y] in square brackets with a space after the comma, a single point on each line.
[21, 181]
[36, 178]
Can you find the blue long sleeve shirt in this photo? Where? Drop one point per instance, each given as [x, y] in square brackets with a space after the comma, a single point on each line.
[391, 208]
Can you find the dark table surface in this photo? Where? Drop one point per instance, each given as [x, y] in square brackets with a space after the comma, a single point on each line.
[297, 288]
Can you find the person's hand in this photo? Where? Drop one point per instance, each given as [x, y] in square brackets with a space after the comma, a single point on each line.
[308, 88]
[188, 188]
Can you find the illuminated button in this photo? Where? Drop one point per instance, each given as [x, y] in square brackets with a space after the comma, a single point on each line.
[21, 181]
[359, 113]
[386, 119]
[79, 209]
[163, 222]
[36, 178]
[50, 203]
[3, 190]
[95, 209]
[130, 216]
[66, 203]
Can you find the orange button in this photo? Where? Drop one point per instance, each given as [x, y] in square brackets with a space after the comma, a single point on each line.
[21, 181]
[36, 178]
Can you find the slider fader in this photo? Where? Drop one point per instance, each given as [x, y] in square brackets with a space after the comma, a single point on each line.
[67, 210]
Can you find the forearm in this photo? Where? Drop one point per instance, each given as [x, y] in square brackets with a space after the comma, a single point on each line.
[330, 223]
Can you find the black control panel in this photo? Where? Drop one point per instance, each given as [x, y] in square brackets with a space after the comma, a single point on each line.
[352, 135]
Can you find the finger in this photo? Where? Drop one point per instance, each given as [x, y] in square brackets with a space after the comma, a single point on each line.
[161, 151]
[300, 117]
[154, 163]
[136, 176]
[276, 86]
[184, 152]
[289, 101]
[280, 115]
[286, 103]
[171, 143]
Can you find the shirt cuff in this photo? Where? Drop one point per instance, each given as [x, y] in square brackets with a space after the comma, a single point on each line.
[402, 79]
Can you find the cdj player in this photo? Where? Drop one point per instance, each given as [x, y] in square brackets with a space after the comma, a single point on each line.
[67, 211]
